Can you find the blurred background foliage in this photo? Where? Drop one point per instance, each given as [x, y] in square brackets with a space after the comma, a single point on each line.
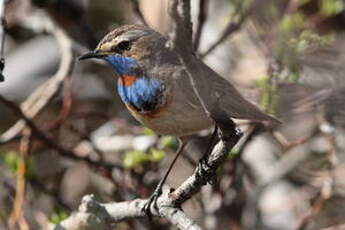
[286, 55]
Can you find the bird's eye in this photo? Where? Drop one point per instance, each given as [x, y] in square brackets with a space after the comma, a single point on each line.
[124, 45]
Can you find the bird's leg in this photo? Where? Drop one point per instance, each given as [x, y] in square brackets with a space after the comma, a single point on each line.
[203, 160]
[158, 190]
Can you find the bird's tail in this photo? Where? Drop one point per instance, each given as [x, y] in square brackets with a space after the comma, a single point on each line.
[236, 106]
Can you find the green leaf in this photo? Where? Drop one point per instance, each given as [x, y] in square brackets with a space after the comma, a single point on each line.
[57, 217]
[167, 141]
[268, 94]
[156, 155]
[30, 168]
[134, 158]
[11, 160]
[232, 154]
[309, 40]
[292, 22]
[331, 7]
[148, 132]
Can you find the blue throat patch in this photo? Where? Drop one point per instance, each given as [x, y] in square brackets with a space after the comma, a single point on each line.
[121, 65]
[144, 93]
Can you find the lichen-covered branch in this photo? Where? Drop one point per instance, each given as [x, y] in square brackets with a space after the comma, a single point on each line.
[94, 215]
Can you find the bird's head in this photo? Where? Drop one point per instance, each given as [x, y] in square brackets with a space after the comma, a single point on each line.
[127, 46]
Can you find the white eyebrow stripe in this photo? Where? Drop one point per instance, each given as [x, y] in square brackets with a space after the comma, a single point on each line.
[127, 36]
[132, 35]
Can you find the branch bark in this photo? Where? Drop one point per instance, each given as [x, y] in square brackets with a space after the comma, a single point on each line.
[95, 215]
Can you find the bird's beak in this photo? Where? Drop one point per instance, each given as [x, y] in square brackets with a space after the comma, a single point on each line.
[92, 54]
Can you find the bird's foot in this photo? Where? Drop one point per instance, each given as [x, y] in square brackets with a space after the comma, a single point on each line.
[204, 171]
[152, 200]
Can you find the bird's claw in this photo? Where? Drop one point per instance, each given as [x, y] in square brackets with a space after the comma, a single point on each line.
[152, 200]
[203, 171]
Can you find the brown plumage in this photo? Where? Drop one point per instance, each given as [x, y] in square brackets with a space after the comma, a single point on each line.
[142, 52]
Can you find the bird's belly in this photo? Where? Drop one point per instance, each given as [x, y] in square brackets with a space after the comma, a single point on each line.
[176, 119]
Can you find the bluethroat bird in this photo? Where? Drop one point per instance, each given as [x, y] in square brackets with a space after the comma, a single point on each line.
[155, 87]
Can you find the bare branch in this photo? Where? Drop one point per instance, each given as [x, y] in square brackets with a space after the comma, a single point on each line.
[137, 11]
[66, 104]
[17, 217]
[182, 33]
[203, 6]
[40, 98]
[2, 38]
[92, 215]
[229, 30]
[194, 183]
[37, 132]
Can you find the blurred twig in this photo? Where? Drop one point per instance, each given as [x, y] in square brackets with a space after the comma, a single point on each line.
[66, 104]
[326, 189]
[40, 98]
[2, 39]
[327, 130]
[335, 227]
[317, 204]
[202, 17]
[138, 12]
[288, 144]
[37, 132]
[86, 137]
[229, 29]
[17, 215]
[49, 191]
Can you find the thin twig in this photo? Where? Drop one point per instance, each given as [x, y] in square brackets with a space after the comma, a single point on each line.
[326, 190]
[54, 193]
[2, 39]
[318, 202]
[138, 12]
[41, 97]
[17, 215]
[51, 142]
[66, 104]
[86, 137]
[202, 17]
[229, 30]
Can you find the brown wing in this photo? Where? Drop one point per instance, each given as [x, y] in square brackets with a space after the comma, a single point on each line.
[231, 101]
[218, 94]
[236, 106]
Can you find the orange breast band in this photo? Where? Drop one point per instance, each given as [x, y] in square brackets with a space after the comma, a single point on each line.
[127, 80]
